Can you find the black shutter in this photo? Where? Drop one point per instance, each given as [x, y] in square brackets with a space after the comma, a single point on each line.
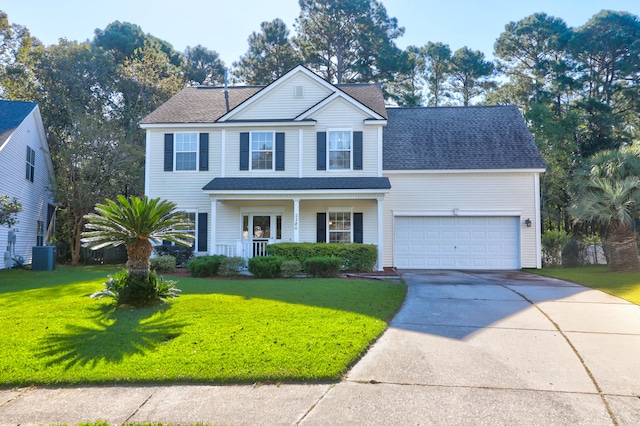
[168, 152]
[322, 150]
[321, 233]
[357, 228]
[279, 151]
[202, 231]
[244, 151]
[204, 152]
[357, 150]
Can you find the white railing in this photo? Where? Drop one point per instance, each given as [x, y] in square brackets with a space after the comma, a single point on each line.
[243, 248]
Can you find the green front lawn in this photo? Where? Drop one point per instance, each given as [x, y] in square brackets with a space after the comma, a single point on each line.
[219, 331]
[625, 285]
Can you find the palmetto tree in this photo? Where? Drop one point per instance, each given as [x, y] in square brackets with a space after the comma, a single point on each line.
[614, 204]
[138, 223]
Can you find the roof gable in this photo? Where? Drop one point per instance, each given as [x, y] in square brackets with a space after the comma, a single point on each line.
[12, 114]
[284, 99]
[458, 138]
[202, 104]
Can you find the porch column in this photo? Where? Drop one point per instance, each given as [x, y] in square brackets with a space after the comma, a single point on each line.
[296, 220]
[380, 234]
[212, 226]
[223, 152]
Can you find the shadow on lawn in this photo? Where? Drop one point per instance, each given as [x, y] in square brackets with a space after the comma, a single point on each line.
[118, 333]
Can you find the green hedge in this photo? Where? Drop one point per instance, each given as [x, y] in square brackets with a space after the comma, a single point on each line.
[322, 267]
[266, 266]
[356, 257]
[204, 266]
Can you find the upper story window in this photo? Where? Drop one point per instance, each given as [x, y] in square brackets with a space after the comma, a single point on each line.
[186, 151]
[339, 149]
[262, 156]
[31, 164]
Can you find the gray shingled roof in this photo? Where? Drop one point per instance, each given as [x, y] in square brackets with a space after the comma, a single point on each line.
[477, 137]
[12, 113]
[199, 104]
[369, 95]
[203, 104]
[297, 184]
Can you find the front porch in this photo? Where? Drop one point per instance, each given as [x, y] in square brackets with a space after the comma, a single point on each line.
[245, 220]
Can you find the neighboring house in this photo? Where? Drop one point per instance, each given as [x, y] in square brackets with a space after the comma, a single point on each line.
[26, 172]
[304, 160]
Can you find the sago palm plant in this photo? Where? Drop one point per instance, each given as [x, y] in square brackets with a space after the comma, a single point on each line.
[138, 223]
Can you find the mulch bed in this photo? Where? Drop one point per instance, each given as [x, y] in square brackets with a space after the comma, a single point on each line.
[388, 272]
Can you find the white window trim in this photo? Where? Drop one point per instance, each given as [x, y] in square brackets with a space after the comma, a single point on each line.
[175, 151]
[273, 151]
[339, 210]
[32, 166]
[329, 150]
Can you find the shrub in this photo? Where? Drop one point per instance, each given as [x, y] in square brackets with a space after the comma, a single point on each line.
[266, 266]
[163, 264]
[182, 254]
[137, 290]
[322, 267]
[230, 266]
[204, 266]
[357, 257]
[291, 268]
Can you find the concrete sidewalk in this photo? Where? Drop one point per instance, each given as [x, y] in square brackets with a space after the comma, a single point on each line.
[466, 348]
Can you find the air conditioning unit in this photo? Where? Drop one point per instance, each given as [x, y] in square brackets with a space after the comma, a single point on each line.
[44, 258]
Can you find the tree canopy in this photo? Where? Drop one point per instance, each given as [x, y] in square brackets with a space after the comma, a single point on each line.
[578, 88]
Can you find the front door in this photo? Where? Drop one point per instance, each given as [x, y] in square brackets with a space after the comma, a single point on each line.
[260, 229]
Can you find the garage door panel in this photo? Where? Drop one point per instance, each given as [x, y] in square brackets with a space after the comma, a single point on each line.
[457, 242]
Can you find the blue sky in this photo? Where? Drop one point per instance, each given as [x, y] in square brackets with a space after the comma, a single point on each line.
[224, 26]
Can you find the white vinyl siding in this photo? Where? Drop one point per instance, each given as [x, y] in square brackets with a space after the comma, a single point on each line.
[34, 197]
[340, 115]
[282, 103]
[444, 194]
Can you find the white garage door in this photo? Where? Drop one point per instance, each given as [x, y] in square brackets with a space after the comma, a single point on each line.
[426, 242]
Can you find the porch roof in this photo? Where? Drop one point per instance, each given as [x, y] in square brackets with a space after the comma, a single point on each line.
[298, 184]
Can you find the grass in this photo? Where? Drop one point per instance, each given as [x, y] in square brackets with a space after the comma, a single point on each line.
[217, 331]
[625, 285]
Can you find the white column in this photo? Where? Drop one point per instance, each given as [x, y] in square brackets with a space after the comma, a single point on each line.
[380, 151]
[299, 153]
[147, 162]
[380, 234]
[223, 152]
[212, 226]
[537, 220]
[296, 220]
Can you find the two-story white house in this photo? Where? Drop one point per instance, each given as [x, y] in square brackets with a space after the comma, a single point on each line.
[26, 173]
[303, 160]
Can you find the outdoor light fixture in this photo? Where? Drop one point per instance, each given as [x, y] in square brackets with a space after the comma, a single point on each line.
[528, 223]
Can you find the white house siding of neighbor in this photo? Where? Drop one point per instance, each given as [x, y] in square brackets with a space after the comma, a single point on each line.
[26, 172]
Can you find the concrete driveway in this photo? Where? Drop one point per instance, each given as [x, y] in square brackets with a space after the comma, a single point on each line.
[466, 348]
